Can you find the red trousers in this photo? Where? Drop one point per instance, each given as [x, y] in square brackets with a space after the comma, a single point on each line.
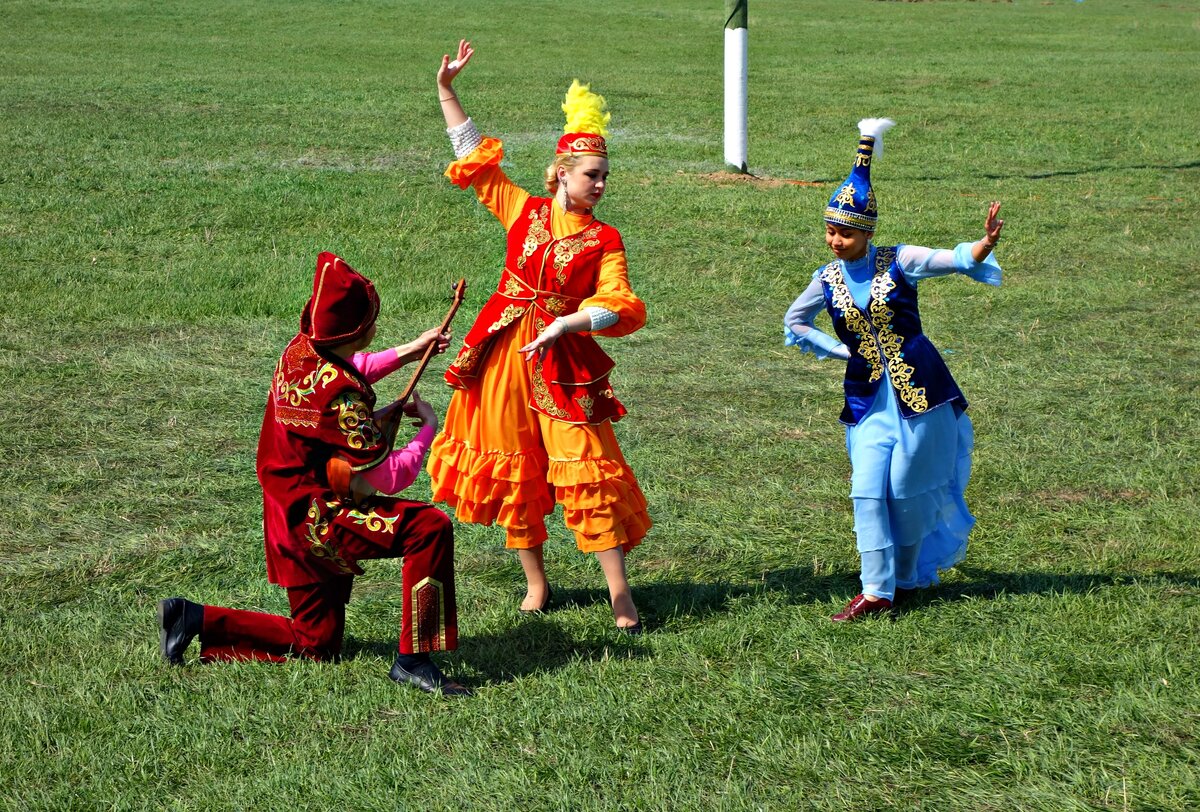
[422, 536]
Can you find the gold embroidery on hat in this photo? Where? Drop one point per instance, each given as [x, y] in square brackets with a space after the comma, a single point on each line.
[845, 195]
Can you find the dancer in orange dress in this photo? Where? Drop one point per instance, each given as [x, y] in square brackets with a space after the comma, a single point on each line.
[531, 421]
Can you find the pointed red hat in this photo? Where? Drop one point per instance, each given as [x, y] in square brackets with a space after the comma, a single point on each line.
[343, 306]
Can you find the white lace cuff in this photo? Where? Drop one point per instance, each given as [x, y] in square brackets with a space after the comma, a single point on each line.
[464, 138]
[601, 317]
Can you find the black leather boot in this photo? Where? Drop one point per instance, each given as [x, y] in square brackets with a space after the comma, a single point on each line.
[179, 621]
[419, 670]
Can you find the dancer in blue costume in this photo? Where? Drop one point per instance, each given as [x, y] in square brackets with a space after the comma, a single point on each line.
[907, 431]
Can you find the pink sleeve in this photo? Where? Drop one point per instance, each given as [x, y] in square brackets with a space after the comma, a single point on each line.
[375, 366]
[401, 467]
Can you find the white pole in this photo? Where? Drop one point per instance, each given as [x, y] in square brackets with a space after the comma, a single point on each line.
[736, 94]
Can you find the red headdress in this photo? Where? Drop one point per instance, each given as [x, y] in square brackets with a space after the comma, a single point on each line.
[343, 306]
[582, 144]
[587, 123]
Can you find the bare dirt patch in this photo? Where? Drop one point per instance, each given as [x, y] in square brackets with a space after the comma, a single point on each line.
[758, 180]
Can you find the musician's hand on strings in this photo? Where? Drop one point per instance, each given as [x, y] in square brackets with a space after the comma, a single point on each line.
[422, 411]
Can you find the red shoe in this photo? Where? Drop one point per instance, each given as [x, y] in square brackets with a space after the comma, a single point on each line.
[860, 607]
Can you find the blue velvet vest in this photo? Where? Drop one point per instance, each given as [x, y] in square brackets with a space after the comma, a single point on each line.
[886, 338]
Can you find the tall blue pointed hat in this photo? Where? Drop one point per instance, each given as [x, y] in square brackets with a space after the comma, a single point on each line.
[853, 204]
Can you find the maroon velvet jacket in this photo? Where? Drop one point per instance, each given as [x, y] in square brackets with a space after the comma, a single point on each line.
[319, 405]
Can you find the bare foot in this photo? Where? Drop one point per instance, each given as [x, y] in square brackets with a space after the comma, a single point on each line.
[536, 597]
[625, 613]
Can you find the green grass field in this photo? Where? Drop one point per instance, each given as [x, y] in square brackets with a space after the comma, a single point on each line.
[168, 173]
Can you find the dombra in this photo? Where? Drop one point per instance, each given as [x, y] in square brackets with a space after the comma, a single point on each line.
[338, 471]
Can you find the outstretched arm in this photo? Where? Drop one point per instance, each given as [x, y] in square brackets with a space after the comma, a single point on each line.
[375, 366]
[451, 107]
[973, 259]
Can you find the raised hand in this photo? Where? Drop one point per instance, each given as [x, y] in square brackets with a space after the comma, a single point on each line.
[451, 68]
[993, 225]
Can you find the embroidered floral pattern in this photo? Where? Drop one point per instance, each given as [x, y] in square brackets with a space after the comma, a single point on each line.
[354, 419]
[537, 235]
[845, 195]
[568, 248]
[586, 402]
[511, 286]
[556, 306]
[510, 314]
[890, 341]
[468, 359]
[855, 320]
[542, 397]
[374, 521]
[320, 539]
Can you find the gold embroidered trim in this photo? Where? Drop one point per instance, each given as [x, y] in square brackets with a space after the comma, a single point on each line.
[541, 395]
[320, 542]
[468, 358]
[585, 402]
[420, 621]
[855, 320]
[294, 394]
[890, 341]
[568, 248]
[511, 286]
[556, 306]
[537, 235]
[510, 314]
[354, 419]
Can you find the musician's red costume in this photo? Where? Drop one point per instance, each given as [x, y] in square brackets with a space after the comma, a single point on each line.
[321, 405]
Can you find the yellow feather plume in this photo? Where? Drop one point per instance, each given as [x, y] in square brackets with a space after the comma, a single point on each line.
[585, 111]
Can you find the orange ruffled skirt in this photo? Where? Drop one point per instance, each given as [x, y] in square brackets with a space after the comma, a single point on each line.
[499, 461]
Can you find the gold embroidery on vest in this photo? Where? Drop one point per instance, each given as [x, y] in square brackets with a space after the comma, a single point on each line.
[511, 287]
[537, 235]
[567, 249]
[510, 314]
[354, 419]
[585, 402]
[556, 306]
[843, 301]
[541, 395]
[890, 341]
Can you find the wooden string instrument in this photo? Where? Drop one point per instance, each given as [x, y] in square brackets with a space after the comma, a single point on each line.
[338, 470]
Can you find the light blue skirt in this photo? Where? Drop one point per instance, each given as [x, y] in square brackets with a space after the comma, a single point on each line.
[920, 467]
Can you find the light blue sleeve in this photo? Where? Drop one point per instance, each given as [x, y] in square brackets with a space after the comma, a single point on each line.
[919, 263]
[798, 328]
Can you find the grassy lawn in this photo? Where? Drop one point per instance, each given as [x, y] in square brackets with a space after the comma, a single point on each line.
[168, 173]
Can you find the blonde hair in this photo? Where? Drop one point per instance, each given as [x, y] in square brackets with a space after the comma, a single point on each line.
[567, 162]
